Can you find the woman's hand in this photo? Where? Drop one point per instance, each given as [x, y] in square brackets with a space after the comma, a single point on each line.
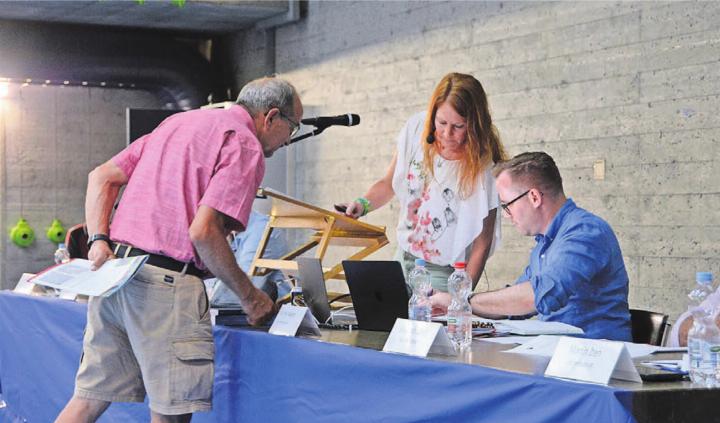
[353, 209]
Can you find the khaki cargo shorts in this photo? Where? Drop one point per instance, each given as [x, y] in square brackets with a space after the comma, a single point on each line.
[152, 336]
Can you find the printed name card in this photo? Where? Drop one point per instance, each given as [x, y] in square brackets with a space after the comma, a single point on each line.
[25, 287]
[592, 360]
[418, 338]
[292, 318]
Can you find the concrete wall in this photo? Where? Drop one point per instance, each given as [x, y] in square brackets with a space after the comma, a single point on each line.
[633, 84]
[50, 138]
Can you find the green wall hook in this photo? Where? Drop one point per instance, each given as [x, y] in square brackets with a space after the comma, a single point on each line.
[56, 232]
[22, 234]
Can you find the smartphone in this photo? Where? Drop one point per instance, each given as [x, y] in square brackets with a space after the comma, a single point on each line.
[340, 208]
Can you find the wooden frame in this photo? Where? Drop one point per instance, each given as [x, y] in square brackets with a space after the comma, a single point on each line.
[331, 229]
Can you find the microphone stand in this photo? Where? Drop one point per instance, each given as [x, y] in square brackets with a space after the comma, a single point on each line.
[317, 131]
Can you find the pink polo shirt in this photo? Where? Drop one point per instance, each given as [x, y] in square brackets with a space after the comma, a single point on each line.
[209, 157]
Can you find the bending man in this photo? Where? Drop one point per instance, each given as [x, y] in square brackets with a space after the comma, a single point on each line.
[187, 185]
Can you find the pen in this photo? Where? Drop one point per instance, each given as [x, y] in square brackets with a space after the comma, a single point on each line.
[669, 368]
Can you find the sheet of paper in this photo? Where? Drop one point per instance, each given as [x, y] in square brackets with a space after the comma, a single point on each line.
[543, 345]
[520, 340]
[76, 276]
[668, 365]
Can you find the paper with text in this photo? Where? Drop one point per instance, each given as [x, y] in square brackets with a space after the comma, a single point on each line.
[592, 360]
[418, 338]
[293, 320]
[77, 277]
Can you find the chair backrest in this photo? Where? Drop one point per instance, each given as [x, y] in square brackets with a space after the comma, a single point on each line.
[648, 327]
[76, 241]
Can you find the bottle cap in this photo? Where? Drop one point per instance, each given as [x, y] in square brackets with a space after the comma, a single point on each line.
[419, 262]
[703, 277]
[459, 265]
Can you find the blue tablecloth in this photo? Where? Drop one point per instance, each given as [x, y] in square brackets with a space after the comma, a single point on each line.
[265, 378]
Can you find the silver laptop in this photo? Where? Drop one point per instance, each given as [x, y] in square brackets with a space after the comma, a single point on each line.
[313, 287]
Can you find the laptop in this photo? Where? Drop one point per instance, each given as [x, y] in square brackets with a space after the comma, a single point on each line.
[313, 287]
[378, 293]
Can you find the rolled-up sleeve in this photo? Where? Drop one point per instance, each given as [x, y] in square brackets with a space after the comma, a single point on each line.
[568, 266]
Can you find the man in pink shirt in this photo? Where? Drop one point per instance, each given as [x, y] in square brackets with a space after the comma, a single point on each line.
[187, 185]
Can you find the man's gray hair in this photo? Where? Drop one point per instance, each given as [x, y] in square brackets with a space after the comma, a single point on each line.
[263, 94]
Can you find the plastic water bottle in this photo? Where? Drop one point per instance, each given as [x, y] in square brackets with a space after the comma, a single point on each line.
[459, 314]
[711, 351]
[419, 304]
[62, 255]
[698, 334]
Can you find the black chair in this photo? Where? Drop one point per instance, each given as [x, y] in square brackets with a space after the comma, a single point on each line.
[648, 327]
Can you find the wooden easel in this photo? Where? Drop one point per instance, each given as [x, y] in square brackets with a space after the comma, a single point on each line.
[331, 229]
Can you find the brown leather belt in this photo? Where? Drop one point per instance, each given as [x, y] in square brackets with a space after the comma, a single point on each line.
[157, 260]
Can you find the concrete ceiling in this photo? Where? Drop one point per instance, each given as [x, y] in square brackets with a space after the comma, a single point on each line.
[201, 16]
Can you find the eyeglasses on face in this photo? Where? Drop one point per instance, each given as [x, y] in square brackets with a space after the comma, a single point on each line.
[506, 206]
[294, 126]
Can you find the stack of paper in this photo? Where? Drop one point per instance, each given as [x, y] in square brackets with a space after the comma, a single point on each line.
[536, 327]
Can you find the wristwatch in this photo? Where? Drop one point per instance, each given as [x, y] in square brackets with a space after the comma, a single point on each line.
[98, 237]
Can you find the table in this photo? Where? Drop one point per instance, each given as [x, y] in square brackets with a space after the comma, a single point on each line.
[265, 378]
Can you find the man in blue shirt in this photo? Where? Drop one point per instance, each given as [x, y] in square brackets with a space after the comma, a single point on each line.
[576, 273]
[244, 245]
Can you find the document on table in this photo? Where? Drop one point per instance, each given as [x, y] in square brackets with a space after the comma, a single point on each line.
[521, 327]
[536, 327]
[76, 276]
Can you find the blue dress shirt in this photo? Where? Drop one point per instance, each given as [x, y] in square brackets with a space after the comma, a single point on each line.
[244, 246]
[578, 275]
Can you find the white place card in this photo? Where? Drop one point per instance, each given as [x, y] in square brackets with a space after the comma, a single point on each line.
[418, 338]
[28, 288]
[292, 320]
[592, 360]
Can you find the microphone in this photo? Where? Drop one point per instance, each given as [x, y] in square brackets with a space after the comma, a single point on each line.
[349, 119]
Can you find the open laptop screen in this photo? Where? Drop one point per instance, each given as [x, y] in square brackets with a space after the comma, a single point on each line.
[378, 292]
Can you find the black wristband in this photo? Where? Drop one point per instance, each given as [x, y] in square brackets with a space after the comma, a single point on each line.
[98, 237]
[469, 297]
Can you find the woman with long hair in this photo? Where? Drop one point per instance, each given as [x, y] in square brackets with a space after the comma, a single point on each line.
[441, 175]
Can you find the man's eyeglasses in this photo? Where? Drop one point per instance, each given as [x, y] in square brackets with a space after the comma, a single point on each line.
[294, 126]
[506, 206]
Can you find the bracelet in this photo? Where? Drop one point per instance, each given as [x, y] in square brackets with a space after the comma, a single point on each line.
[469, 297]
[365, 204]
